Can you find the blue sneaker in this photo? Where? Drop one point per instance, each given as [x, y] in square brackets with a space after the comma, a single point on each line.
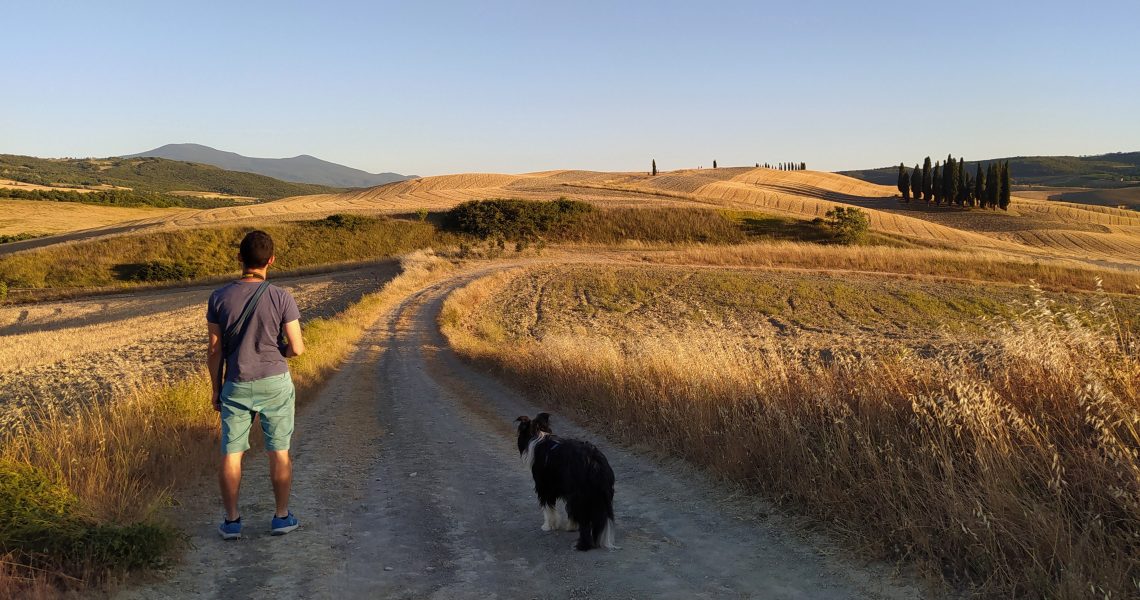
[283, 525]
[230, 530]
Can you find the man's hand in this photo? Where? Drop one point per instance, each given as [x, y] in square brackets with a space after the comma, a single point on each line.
[217, 401]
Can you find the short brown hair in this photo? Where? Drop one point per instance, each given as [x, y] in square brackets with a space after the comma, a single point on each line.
[256, 249]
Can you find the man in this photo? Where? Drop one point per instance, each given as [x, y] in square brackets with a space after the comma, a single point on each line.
[256, 379]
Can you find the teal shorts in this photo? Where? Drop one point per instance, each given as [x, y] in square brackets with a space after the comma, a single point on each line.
[273, 397]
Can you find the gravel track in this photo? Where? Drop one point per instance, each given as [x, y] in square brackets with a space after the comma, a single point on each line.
[408, 485]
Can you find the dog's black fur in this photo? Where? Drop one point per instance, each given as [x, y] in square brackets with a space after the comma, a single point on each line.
[574, 471]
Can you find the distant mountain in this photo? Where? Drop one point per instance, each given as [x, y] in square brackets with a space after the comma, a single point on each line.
[1115, 170]
[299, 169]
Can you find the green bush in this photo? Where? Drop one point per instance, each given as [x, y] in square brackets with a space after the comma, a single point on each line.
[849, 223]
[347, 221]
[42, 526]
[513, 219]
[158, 270]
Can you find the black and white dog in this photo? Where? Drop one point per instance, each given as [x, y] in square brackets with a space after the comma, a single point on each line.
[575, 472]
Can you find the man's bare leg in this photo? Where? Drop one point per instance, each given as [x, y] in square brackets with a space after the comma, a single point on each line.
[229, 479]
[281, 473]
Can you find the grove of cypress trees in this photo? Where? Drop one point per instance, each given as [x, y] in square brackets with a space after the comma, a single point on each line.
[1003, 200]
[916, 182]
[926, 180]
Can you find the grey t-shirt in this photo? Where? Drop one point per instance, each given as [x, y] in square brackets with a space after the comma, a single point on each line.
[256, 355]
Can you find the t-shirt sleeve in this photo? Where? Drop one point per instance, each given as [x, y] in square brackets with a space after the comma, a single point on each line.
[212, 310]
[289, 312]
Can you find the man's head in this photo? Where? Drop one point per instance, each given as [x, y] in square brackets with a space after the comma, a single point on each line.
[256, 250]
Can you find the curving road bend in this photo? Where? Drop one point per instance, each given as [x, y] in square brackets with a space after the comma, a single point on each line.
[408, 485]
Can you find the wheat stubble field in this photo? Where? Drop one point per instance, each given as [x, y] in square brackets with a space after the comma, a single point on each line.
[960, 401]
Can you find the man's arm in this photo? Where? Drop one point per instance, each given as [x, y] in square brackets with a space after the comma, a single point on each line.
[296, 342]
[214, 363]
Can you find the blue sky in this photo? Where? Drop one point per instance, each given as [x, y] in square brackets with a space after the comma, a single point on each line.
[443, 87]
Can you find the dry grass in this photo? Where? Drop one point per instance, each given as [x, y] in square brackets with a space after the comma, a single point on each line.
[122, 460]
[1012, 469]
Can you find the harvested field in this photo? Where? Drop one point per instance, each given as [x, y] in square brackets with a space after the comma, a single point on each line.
[45, 217]
[95, 349]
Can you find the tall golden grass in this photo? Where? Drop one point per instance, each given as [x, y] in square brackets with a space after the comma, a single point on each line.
[123, 461]
[1013, 470]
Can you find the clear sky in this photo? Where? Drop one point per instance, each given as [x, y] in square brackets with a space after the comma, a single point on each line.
[444, 87]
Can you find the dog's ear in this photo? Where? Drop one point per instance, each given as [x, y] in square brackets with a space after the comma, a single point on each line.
[523, 419]
[542, 421]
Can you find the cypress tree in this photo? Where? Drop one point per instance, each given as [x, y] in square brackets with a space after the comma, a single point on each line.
[949, 180]
[927, 191]
[654, 171]
[903, 183]
[803, 166]
[979, 186]
[963, 182]
[916, 182]
[936, 184]
[714, 163]
[1003, 201]
[991, 186]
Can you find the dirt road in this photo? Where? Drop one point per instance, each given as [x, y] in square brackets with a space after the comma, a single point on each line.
[408, 485]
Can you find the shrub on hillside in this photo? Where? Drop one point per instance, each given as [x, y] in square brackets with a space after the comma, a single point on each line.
[849, 223]
[513, 219]
[158, 270]
[346, 221]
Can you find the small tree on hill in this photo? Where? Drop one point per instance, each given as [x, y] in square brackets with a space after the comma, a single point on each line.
[654, 169]
[903, 183]
[916, 182]
[849, 224]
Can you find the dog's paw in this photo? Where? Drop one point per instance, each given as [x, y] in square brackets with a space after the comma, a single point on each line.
[579, 546]
[569, 526]
[547, 527]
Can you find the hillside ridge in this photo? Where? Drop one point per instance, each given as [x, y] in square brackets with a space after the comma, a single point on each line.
[303, 168]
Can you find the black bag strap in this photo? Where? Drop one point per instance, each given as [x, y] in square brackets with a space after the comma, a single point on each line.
[238, 327]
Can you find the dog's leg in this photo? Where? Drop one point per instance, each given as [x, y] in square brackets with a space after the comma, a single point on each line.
[607, 540]
[549, 518]
[567, 523]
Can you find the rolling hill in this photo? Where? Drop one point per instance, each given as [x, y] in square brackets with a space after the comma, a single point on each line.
[1031, 228]
[299, 169]
[148, 175]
